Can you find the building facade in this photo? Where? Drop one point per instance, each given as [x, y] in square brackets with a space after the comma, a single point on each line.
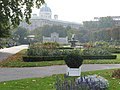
[55, 38]
[45, 18]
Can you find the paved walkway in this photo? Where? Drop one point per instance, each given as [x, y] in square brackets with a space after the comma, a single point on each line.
[6, 52]
[7, 74]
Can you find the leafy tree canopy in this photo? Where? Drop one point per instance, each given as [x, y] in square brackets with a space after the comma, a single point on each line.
[12, 12]
[102, 22]
[20, 34]
[106, 22]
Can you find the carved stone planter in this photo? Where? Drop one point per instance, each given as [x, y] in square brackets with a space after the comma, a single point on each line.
[73, 71]
[74, 61]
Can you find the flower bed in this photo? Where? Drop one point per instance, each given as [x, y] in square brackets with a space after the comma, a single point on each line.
[97, 53]
[52, 51]
[94, 82]
[91, 82]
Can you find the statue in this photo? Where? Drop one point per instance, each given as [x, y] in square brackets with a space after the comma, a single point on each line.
[73, 37]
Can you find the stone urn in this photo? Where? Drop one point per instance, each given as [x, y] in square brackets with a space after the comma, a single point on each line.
[73, 61]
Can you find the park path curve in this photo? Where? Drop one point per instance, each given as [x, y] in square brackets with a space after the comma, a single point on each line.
[7, 74]
[6, 52]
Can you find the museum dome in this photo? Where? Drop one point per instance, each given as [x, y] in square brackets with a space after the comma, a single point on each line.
[45, 8]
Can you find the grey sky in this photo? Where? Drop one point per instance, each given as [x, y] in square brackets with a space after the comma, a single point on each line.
[81, 10]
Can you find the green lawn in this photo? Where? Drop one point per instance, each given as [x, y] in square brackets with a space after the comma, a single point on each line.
[47, 83]
[16, 61]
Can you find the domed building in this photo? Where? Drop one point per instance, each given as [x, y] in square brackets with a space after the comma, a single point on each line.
[45, 12]
[45, 18]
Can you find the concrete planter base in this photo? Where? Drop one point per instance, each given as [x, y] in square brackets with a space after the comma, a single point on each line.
[74, 71]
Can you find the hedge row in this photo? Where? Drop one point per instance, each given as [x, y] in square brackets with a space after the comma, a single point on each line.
[65, 48]
[100, 57]
[117, 51]
[41, 58]
[51, 58]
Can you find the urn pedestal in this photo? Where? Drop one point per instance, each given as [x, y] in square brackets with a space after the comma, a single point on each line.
[73, 71]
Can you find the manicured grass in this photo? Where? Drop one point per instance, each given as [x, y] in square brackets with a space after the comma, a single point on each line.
[48, 83]
[16, 61]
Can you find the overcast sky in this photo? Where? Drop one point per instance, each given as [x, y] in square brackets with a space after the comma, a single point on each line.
[82, 10]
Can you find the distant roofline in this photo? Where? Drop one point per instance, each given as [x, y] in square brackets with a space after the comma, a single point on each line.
[115, 17]
[37, 18]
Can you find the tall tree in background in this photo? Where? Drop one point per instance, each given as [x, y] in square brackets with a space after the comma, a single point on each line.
[106, 22]
[12, 12]
[102, 22]
[47, 30]
[20, 34]
[91, 24]
[115, 33]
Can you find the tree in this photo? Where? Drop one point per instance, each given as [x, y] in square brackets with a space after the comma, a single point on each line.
[106, 22]
[91, 24]
[12, 12]
[20, 34]
[47, 30]
[4, 33]
[115, 33]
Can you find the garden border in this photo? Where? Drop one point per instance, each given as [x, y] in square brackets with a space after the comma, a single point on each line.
[52, 58]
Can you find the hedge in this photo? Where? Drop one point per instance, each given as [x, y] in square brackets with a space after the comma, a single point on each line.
[117, 51]
[41, 58]
[100, 57]
[52, 58]
[65, 48]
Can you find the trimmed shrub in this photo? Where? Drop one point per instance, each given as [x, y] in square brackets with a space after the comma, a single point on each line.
[47, 49]
[50, 45]
[65, 48]
[43, 49]
[114, 50]
[41, 58]
[73, 59]
[96, 52]
[99, 57]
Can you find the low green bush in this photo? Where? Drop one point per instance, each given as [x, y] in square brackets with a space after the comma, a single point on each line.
[41, 58]
[65, 48]
[50, 51]
[54, 58]
[47, 49]
[99, 57]
[73, 59]
[96, 52]
[114, 50]
[43, 52]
